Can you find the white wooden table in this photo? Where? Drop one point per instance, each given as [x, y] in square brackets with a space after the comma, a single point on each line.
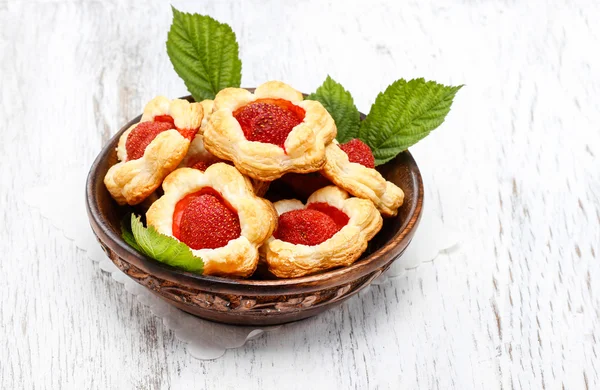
[515, 168]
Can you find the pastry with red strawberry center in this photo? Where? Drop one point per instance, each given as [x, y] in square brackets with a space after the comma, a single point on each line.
[330, 231]
[151, 149]
[306, 226]
[269, 120]
[145, 132]
[141, 136]
[316, 223]
[217, 215]
[337, 216]
[204, 220]
[351, 166]
[270, 132]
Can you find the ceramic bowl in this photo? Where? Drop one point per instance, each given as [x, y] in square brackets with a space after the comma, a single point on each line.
[260, 300]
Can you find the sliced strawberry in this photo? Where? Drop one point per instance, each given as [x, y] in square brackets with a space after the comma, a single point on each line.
[201, 165]
[339, 217]
[359, 152]
[141, 136]
[269, 120]
[203, 220]
[305, 227]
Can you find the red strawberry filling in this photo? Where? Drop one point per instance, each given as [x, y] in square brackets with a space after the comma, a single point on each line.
[204, 220]
[359, 152]
[141, 136]
[310, 226]
[269, 120]
[201, 165]
[145, 132]
[187, 133]
[339, 217]
[166, 119]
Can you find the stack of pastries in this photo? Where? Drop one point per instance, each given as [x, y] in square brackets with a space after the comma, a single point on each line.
[215, 161]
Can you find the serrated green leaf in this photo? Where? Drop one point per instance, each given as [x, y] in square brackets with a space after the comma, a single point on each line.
[164, 248]
[126, 233]
[402, 115]
[204, 53]
[340, 105]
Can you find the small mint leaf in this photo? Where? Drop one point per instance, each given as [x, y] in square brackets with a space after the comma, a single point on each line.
[402, 115]
[340, 105]
[204, 53]
[163, 248]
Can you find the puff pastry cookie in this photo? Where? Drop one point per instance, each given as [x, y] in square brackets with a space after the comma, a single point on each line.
[151, 149]
[217, 215]
[353, 222]
[269, 132]
[360, 180]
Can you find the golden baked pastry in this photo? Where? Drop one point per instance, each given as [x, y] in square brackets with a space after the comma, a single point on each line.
[269, 132]
[332, 230]
[151, 149]
[360, 180]
[217, 215]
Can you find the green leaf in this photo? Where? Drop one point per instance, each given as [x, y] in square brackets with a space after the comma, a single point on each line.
[126, 233]
[204, 53]
[405, 113]
[163, 248]
[341, 106]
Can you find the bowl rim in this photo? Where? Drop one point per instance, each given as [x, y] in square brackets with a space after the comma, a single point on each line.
[329, 278]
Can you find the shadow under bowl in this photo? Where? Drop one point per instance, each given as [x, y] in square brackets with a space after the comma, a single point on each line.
[253, 301]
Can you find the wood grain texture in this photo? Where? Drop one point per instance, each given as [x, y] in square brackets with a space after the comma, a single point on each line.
[515, 168]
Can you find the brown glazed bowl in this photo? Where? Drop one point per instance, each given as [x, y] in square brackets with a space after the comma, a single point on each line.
[252, 301]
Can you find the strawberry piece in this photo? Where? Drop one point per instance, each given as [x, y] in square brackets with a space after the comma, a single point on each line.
[141, 136]
[305, 227]
[203, 220]
[339, 217]
[201, 165]
[166, 119]
[269, 120]
[359, 152]
[187, 133]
